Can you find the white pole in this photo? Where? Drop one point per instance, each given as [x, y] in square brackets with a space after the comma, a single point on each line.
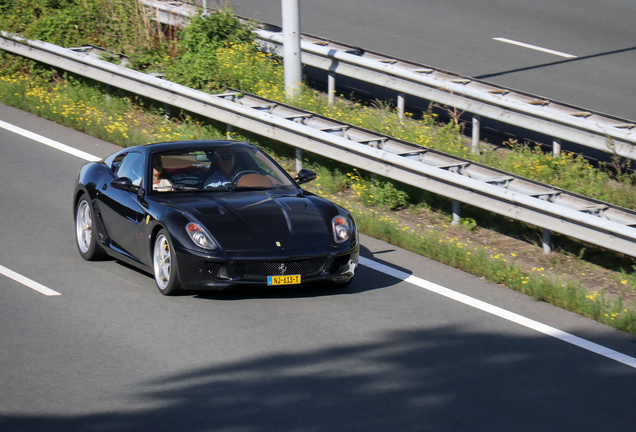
[291, 47]
[475, 145]
[400, 105]
[331, 88]
[556, 147]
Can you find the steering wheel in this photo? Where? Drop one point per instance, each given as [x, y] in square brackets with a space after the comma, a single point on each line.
[238, 175]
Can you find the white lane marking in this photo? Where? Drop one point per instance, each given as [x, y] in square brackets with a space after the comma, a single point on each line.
[49, 142]
[534, 47]
[503, 313]
[59, 146]
[28, 282]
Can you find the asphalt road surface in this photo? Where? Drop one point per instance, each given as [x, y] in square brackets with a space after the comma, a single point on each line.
[439, 351]
[583, 52]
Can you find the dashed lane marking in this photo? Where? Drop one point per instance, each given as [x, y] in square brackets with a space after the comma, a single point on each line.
[49, 142]
[534, 47]
[28, 282]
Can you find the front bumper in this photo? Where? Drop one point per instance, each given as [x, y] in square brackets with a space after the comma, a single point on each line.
[204, 272]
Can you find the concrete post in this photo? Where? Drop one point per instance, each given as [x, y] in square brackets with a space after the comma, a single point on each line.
[291, 47]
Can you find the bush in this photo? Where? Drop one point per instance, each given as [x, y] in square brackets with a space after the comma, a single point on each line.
[197, 62]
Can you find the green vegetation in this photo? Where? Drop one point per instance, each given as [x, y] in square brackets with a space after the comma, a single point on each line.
[121, 25]
[217, 51]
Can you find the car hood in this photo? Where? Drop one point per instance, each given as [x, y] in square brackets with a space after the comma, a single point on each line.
[254, 221]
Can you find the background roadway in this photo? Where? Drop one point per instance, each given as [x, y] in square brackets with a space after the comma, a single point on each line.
[457, 35]
[111, 353]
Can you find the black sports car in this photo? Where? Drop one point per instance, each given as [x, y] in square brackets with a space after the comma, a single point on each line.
[211, 215]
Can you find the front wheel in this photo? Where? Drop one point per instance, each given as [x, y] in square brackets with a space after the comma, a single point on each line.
[164, 262]
[85, 235]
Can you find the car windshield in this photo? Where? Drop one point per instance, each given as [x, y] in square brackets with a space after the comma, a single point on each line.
[220, 168]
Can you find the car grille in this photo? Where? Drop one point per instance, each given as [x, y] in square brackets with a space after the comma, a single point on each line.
[259, 270]
[217, 270]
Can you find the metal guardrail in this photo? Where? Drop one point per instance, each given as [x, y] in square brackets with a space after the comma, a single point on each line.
[552, 118]
[590, 220]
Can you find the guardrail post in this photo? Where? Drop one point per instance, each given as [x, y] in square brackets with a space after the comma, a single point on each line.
[331, 88]
[228, 131]
[547, 242]
[556, 147]
[457, 209]
[299, 159]
[475, 147]
[108, 89]
[400, 105]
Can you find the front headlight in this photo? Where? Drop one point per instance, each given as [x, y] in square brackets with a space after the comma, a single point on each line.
[341, 229]
[200, 236]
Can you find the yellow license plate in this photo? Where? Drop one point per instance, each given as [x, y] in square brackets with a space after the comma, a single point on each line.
[283, 280]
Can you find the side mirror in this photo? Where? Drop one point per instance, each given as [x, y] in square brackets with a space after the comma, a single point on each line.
[124, 183]
[305, 175]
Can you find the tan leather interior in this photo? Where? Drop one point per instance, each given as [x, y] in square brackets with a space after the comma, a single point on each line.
[254, 180]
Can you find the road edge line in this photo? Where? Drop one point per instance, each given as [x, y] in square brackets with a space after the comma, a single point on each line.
[500, 312]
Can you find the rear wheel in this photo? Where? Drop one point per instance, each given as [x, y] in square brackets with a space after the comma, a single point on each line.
[164, 262]
[85, 238]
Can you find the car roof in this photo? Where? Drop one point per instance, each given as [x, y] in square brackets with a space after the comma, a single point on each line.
[200, 144]
[177, 145]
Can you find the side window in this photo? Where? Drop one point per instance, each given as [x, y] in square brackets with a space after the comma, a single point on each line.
[117, 162]
[131, 167]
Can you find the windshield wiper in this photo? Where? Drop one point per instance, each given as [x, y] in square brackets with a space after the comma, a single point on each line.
[248, 188]
[185, 188]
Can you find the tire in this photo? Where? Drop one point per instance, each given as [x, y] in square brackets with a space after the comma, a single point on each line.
[85, 234]
[164, 263]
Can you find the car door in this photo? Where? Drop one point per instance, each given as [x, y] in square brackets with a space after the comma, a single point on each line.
[120, 209]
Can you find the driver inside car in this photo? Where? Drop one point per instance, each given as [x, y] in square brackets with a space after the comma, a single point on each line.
[160, 181]
[226, 169]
